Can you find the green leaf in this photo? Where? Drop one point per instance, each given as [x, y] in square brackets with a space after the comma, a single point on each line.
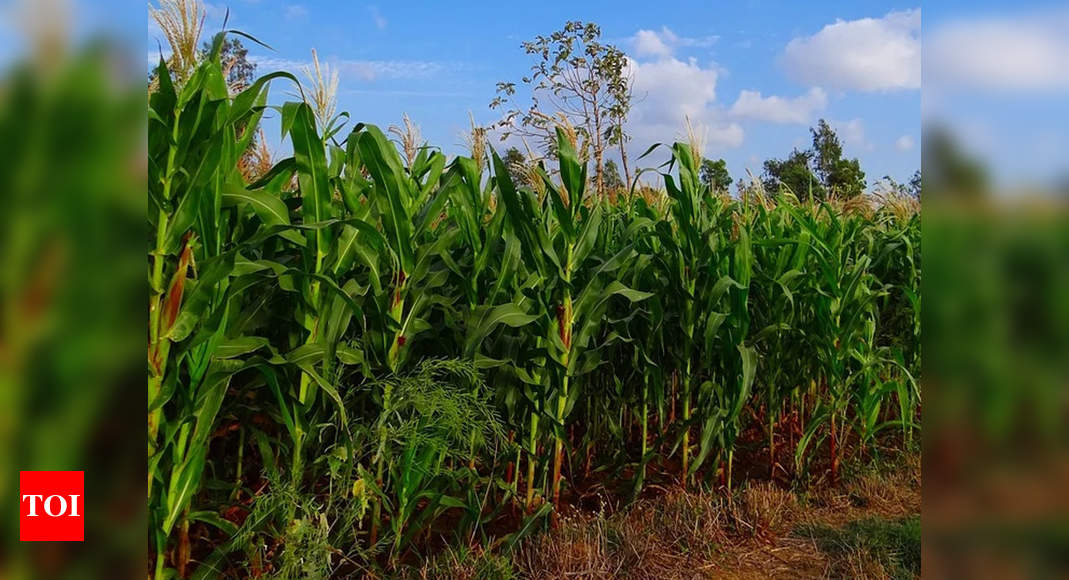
[214, 519]
[236, 347]
[509, 314]
[311, 159]
[270, 209]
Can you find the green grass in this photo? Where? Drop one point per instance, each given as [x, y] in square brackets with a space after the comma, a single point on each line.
[894, 544]
[463, 563]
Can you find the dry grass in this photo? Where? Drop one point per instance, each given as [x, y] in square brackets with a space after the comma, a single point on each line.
[768, 508]
[669, 537]
[579, 548]
[889, 493]
[463, 563]
[753, 534]
[859, 563]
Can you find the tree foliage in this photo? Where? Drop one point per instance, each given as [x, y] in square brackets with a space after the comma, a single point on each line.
[793, 174]
[839, 176]
[612, 180]
[714, 174]
[238, 70]
[577, 79]
[817, 172]
[949, 171]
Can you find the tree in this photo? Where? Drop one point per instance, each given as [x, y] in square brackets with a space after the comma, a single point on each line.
[842, 177]
[576, 80]
[741, 187]
[915, 184]
[794, 175]
[715, 175]
[612, 180]
[949, 171]
[819, 170]
[237, 68]
[618, 114]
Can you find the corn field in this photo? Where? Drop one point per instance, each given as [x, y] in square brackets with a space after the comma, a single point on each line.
[362, 348]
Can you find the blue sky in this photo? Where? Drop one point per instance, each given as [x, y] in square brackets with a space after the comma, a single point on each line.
[997, 75]
[754, 76]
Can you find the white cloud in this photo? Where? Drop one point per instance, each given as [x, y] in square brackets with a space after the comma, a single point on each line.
[869, 54]
[904, 143]
[377, 17]
[365, 70]
[751, 105]
[667, 92]
[852, 133]
[724, 136]
[296, 11]
[663, 43]
[216, 12]
[1022, 53]
[649, 43]
[669, 89]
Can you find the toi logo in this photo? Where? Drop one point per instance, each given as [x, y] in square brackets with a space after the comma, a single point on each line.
[51, 506]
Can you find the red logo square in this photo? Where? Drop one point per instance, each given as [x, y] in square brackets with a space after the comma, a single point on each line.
[51, 506]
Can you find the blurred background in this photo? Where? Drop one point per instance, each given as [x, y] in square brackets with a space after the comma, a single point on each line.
[996, 320]
[995, 188]
[72, 290]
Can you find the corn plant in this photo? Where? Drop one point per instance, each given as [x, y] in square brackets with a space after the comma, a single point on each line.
[557, 236]
[197, 133]
[781, 253]
[696, 263]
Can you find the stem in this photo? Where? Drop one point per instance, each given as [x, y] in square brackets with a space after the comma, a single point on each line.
[558, 443]
[241, 461]
[155, 380]
[377, 509]
[686, 423]
[771, 438]
[565, 329]
[645, 422]
[297, 464]
[183, 545]
[514, 470]
[397, 308]
[510, 473]
[731, 458]
[672, 402]
[471, 451]
[833, 450]
[532, 453]
[688, 317]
